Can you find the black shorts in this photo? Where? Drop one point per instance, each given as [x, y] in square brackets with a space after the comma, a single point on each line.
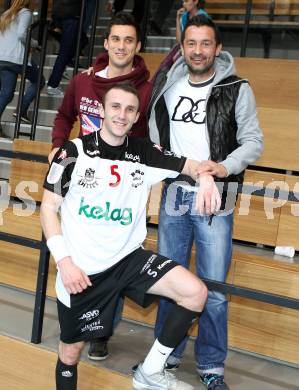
[92, 312]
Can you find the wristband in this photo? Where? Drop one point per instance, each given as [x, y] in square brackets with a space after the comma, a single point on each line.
[57, 247]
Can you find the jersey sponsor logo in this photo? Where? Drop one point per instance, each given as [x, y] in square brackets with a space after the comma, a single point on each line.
[55, 173]
[160, 266]
[132, 157]
[189, 111]
[93, 152]
[96, 325]
[62, 154]
[124, 216]
[90, 315]
[137, 176]
[89, 180]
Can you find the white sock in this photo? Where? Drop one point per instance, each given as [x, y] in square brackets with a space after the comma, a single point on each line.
[156, 358]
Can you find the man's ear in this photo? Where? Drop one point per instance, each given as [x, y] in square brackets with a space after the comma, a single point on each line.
[218, 49]
[182, 50]
[106, 44]
[138, 47]
[137, 117]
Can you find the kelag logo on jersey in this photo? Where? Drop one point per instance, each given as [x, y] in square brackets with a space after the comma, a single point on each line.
[124, 216]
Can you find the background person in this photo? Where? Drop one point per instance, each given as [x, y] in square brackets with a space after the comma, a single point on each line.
[14, 24]
[116, 6]
[190, 8]
[65, 15]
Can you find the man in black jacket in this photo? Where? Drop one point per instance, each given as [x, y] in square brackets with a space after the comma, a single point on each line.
[202, 110]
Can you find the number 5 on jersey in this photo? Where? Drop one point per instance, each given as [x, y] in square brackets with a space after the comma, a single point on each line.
[113, 169]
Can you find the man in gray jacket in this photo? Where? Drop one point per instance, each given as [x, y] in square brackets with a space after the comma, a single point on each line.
[202, 110]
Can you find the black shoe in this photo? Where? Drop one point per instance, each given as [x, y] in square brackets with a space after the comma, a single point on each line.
[98, 350]
[214, 382]
[24, 117]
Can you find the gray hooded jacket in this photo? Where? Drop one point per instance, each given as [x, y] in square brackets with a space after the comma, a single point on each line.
[249, 134]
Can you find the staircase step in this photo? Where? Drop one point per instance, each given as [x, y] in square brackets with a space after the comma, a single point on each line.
[45, 116]
[43, 133]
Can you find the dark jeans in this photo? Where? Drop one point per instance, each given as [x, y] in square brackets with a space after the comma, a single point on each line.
[8, 80]
[67, 50]
[162, 11]
[137, 11]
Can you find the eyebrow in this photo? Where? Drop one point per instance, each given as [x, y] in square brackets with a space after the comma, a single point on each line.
[126, 37]
[129, 106]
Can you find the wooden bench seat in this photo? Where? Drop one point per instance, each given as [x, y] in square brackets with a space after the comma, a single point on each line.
[259, 7]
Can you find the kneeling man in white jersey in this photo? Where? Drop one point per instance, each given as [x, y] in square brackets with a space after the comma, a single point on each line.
[100, 184]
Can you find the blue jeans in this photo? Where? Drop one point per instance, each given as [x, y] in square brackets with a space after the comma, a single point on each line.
[67, 49]
[8, 80]
[177, 231]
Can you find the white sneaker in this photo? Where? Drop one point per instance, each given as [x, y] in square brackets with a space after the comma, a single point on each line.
[161, 380]
[55, 91]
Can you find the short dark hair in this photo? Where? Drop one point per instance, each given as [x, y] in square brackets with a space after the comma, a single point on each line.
[126, 86]
[123, 19]
[199, 21]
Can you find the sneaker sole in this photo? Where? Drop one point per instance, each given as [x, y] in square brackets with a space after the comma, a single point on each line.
[141, 386]
[172, 369]
[97, 358]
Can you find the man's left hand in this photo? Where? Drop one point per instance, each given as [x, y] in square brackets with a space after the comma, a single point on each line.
[212, 168]
[208, 200]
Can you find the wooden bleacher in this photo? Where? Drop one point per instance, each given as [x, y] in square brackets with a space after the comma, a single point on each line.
[253, 326]
[259, 7]
[266, 16]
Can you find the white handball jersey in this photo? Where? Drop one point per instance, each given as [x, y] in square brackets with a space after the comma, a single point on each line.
[105, 190]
